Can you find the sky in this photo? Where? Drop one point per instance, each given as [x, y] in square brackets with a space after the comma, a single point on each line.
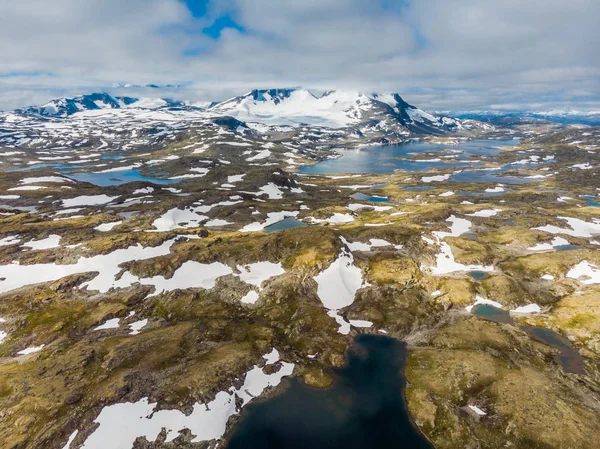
[441, 55]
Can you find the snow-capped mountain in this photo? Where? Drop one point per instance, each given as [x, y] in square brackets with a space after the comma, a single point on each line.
[371, 116]
[64, 107]
[335, 109]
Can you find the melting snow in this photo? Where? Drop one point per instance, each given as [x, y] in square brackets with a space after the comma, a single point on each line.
[338, 284]
[477, 410]
[235, 178]
[106, 227]
[250, 298]
[357, 206]
[145, 190]
[361, 323]
[437, 178]
[206, 422]
[107, 265]
[485, 213]
[530, 308]
[373, 243]
[27, 188]
[10, 240]
[585, 166]
[264, 154]
[272, 218]
[178, 218]
[336, 218]
[445, 263]
[57, 179]
[52, 241]
[137, 326]
[272, 190]
[217, 222]
[85, 200]
[480, 300]
[579, 228]
[190, 275]
[256, 273]
[110, 324]
[585, 272]
[31, 350]
[557, 241]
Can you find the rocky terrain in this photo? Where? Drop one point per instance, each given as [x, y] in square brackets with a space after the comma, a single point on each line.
[146, 297]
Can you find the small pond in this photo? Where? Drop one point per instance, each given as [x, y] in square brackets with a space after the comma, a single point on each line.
[478, 275]
[560, 248]
[286, 223]
[492, 313]
[569, 358]
[372, 198]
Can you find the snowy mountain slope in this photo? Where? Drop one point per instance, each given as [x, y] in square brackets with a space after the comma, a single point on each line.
[374, 117]
[64, 107]
[335, 109]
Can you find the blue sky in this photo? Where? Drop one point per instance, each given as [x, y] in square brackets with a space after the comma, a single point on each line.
[439, 54]
[199, 9]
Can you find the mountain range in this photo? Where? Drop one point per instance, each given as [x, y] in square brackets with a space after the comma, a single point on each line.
[333, 109]
[64, 107]
[591, 118]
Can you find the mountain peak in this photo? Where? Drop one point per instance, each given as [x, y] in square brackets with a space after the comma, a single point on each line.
[64, 107]
[275, 95]
[333, 108]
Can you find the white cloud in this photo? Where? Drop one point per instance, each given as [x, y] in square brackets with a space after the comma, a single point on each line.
[440, 54]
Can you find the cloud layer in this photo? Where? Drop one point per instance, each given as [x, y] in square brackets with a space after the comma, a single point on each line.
[440, 54]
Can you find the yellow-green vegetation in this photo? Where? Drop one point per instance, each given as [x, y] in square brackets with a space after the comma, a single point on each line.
[554, 263]
[472, 253]
[507, 291]
[396, 308]
[385, 269]
[198, 342]
[528, 402]
[578, 317]
[452, 291]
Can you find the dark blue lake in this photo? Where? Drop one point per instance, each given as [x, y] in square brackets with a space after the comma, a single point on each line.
[373, 199]
[363, 409]
[116, 178]
[386, 159]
